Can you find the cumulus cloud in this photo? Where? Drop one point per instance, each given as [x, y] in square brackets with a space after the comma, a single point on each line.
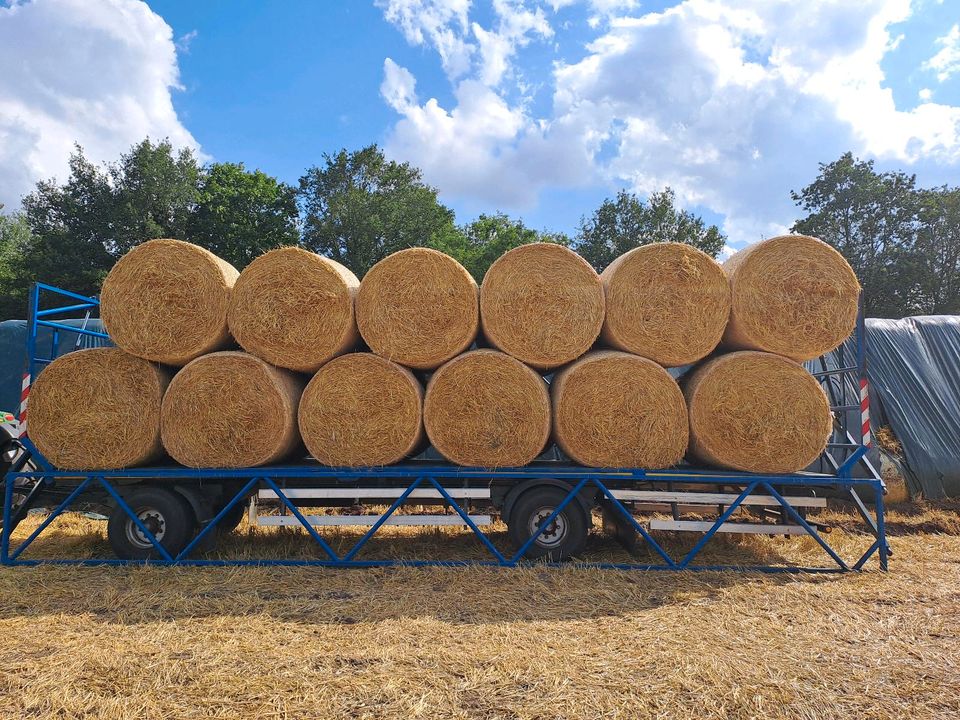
[98, 73]
[947, 61]
[730, 103]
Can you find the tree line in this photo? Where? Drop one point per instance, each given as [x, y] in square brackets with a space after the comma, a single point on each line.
[357, 207]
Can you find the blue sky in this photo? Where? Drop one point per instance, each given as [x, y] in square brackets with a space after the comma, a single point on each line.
[539, 108]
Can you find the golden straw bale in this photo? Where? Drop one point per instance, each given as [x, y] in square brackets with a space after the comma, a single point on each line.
[756, 412]
[485, 408]
[231, 409]
[614, 409]
[166, 301]
[666, 301]
[792, 295]
[362, 409]
[98, 409]
[294, 309]
[418, 307]
[541, 303]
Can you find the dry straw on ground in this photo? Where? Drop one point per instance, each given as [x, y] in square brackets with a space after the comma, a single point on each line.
[756, 412]
[665, 301]
[614, 409]
[231, 409]
[166, 301]
[294, 309]
[485, 408]
[418, 307]
[362, 409]
[792, 295]
[542, 304]
[98, 409]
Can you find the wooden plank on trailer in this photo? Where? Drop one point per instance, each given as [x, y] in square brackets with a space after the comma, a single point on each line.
[705, 498]
[367, 520]
[348, 493]
[728, 527]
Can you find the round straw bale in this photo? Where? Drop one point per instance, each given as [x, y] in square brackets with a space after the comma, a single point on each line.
[487, 409]
[294, 309]
[98, 409]
[362, 409]
[231, 409]
[418, 307]
[541, 303]
[792, 295]
[756, 412]
[666, 301]
[614, 409]
[166, 301]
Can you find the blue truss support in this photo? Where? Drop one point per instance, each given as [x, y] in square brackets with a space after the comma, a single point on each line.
[470, 523]
[792, 512]
[636, 526]
[49, 519]
[216, 519]
[695, 550]
[303, 521]
[383, 518]
[549, 521]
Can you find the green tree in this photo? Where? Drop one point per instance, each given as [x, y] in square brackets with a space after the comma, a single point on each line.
[479, 243]
[240, 214]
[359, 207]
[873, 220]
[937, 252]
[14, 235]
[627, 222]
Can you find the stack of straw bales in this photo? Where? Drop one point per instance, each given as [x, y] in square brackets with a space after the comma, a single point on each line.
[545, 349]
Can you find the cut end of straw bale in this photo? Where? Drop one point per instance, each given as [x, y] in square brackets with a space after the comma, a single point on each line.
[418, 307]
[231, 409]
[294, 309]
[486, 409]
[541, 303]
[166, 301]
[792, 295]
[361, 409]
[666, 301]
[756, 412]
[614, 409]
[98, 409]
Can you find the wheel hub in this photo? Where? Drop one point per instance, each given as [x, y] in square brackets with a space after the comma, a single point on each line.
[554, 534]
[153, 521]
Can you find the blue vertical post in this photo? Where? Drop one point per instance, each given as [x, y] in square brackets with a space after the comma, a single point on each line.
[32, 307]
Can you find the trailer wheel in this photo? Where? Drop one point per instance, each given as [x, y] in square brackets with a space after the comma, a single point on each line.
[164, 512]
[563, 539]
[231, 521]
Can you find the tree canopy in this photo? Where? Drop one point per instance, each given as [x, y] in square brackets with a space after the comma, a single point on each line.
[626, 222]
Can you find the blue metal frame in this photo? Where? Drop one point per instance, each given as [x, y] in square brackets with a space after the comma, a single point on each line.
[415, 475]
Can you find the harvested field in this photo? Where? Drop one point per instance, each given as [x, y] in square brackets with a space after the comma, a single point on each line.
[486, 643]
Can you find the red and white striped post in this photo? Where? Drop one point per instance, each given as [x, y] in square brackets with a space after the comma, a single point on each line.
[865, 413]
[24, 395]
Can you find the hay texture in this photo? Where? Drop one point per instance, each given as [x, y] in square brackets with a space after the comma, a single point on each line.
[792, 295]
[362, 409]
[666, 301]
[756, 412]
[541, 303]
[231, 409]
[418, 307]
[98, 409]
[485, 408]
[614, 409]
[166, 301]
[294, 309]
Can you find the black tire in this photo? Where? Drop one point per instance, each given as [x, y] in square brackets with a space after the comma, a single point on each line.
[532, 508]
[166, 514]
[231, 521]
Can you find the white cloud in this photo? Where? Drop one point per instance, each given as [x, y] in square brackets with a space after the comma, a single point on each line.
[947, 61]
[730, 103]
[925, 94]
[97, 73]
[440, 23]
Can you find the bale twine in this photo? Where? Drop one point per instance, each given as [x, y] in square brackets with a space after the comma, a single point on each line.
[166, 301]
[98, 409]
[487, 409]
[756, 412]
[792, 295]
[294, 309]
[614, 409]
[418, 307]
[541, 303]
[362, 409]
[666, 301]
[231, 409]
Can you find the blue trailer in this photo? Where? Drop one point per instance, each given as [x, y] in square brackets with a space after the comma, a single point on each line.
[172, 515]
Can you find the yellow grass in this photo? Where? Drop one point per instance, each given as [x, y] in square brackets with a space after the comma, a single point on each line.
[486, 643]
